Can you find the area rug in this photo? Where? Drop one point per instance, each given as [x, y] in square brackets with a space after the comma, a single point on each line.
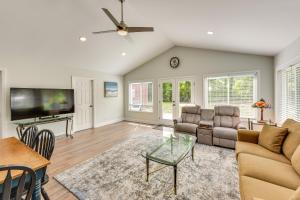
[119, 174]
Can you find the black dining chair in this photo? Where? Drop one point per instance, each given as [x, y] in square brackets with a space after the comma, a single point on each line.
[25, 184]
[28, 136]
[44, 144]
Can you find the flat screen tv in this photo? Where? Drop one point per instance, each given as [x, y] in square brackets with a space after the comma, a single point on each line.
[28, 103]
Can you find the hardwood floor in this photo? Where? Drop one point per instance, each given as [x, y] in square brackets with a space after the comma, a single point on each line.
[86, 144]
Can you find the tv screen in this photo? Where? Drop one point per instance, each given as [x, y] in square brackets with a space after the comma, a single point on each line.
[31, 103]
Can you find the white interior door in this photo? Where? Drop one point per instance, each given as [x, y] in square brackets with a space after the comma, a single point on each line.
[84, 108]
[173, 95]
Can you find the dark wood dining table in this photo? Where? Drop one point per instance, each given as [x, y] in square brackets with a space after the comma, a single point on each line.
[15, 152]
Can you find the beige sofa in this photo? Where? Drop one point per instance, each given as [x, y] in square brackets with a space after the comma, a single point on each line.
[265, 175]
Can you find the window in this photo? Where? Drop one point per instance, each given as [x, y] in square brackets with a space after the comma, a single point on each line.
[237, 90]
[141, 97]
[289, 93]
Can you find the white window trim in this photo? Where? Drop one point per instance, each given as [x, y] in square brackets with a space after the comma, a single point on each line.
[129, 94]
[257, 83]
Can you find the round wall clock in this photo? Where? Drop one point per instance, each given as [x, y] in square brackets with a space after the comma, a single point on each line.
[174, 62]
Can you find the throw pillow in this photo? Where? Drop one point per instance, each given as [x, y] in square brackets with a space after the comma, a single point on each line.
[296, 160]
[272, 137]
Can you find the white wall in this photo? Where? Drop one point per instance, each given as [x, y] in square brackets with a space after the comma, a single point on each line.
[198, 63]
[289, 56]
[107, 110]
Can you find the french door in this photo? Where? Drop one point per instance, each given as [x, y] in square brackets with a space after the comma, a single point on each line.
[173, 95]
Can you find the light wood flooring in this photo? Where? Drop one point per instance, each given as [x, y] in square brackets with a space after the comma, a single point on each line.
[86, 144]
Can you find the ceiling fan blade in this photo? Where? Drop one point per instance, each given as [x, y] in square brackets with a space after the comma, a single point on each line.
[109, 31]
[139, 29]
[111, 17]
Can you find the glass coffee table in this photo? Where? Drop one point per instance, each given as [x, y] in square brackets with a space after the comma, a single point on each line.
[169, 151]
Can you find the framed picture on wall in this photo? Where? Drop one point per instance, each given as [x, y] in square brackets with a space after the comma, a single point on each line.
[110, 89]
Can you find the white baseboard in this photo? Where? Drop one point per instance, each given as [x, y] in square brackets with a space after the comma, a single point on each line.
[108, 122]
[153, 122]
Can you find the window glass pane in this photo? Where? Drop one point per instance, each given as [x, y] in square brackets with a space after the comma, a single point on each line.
[289, 93]
[141, 97]
[217, 91]
[232, 90]
[167, 108]
[185, 91]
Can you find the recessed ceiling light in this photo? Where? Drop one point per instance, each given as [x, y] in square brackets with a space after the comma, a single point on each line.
[210, 33]
[123, 54]
[82, 39]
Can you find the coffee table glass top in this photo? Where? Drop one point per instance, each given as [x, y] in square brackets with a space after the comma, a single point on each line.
[170, 150]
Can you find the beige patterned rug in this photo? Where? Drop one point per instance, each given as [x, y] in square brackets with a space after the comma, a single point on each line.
[119, 174]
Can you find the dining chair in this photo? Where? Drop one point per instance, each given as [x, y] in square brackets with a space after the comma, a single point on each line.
[25, 184]
[44, 144]
[28, 136]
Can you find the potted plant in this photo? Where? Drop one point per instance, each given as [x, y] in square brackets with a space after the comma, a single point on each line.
[262, 105]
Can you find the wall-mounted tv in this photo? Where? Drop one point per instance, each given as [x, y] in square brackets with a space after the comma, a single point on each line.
[32, 102]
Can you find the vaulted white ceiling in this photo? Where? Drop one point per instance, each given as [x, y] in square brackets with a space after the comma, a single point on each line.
[46, 32]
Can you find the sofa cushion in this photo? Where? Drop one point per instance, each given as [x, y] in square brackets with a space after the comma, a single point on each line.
[272, 137]
[296, 195]
[186, 127]
[225, 133]
[296, 160]
[252, 189]
[293, 138]
[227, 116]
[255, 149]
[207, 114]
[268, 170]
[190, 118]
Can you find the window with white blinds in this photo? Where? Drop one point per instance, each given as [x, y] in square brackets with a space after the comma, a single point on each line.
[237, 90]
[289, 93]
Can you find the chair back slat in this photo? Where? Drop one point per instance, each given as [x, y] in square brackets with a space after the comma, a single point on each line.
[44, 143]
[24, 189]
[21, 186]
[7, 185]
[29, 135]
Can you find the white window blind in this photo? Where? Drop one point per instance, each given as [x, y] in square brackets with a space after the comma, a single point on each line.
[141, 97]
[237, 90]
[289, 93]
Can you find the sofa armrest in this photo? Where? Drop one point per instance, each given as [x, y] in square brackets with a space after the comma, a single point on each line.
[248, 136]
[177, 120]
[206, 124]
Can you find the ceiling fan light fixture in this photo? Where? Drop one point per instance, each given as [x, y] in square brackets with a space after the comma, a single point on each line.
[122, 32]
[82, 39]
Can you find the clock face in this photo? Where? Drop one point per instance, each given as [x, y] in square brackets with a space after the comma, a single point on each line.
[174, 62]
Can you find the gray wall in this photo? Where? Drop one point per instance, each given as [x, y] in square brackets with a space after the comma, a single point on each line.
[107, 110]
[198, 63]
[289, 56]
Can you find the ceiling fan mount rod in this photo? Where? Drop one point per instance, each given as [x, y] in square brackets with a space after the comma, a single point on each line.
[122, 15]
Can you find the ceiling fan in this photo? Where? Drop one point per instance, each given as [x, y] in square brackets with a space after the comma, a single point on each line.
[121, 28]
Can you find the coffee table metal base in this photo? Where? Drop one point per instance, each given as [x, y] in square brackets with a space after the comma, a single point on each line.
[174, 169]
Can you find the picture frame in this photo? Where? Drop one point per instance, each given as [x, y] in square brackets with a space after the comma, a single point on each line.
[110, 89]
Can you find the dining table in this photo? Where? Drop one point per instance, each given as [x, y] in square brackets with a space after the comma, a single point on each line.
[15, 152]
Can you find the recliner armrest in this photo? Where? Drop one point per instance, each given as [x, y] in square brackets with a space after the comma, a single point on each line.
[177, 120]
[248, 136]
